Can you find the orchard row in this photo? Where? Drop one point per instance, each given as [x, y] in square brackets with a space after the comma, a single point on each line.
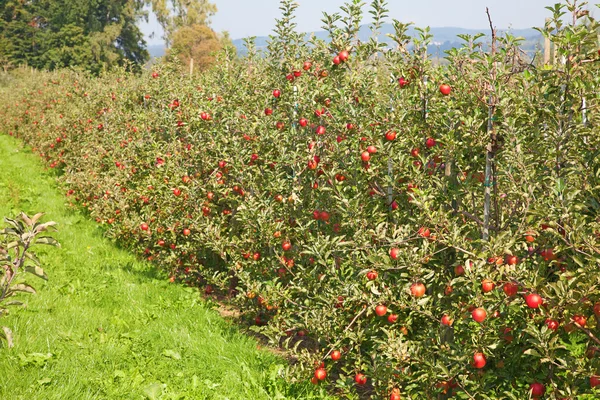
[405, 230]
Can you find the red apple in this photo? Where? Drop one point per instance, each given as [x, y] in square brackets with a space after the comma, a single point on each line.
[479, 360]
[548, 254]
[533, 300]
[394, 253]
[445, 89]
[360, 379]
[580, 320]
[320, 374]
[511, 259]
[424, 232]
[552, 324]
[510, 288]
[446, 320]
[506, 335]
[390, 135]
[487, 285]
[537, 390]
[459, 270]
[417, 289]
[597, 309]
[372, 275]
[381, 310]
[395, 395]
[479, 315]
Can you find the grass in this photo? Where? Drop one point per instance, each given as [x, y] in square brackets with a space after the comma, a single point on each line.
[108, 326]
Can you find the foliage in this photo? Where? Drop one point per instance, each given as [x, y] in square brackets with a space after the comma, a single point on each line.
[51, 34]
[174, 15]
[110, 326]
[197, 42]
[17, 259]
[320, 189]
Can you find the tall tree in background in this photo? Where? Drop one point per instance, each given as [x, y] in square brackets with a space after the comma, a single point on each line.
[187, 31]
[49, 34]
[197, 42]
[99, 34]
[175, 14]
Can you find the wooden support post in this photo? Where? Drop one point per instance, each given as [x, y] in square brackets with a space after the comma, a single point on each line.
[547, 47]
[191, 66]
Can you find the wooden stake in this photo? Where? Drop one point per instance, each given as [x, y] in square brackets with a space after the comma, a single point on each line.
[490, 178]
[191, 66]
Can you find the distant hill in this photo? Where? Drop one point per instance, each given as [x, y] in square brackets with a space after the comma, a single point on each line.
[443, 38]
[156, 50]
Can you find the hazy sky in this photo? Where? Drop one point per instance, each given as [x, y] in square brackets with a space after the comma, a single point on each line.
[244, 18]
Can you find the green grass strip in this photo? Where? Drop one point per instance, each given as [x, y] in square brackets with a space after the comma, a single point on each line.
[107, 326]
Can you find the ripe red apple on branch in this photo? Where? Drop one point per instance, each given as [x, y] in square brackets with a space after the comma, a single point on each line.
[479, 360]
[445, 89]
[381, 310]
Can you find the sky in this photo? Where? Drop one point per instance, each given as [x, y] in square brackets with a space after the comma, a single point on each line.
[243, 18]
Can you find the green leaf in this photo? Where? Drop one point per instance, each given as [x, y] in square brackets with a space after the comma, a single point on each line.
[18, 227]
[14, 303]
[44, 227]
[172, 354]
[36, 218]
[532, 352]
[26, 219]
[37, 271]
[22, 287]
[153, 391]
[44, 381]
[32, 257]
[47, 240]
[7, 335]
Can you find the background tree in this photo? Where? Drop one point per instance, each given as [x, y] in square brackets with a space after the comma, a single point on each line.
[51, 34]
[175, 14]
[197, 42]
[187, 30]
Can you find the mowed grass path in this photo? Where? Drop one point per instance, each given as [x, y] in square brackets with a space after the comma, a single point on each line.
[107, 326]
